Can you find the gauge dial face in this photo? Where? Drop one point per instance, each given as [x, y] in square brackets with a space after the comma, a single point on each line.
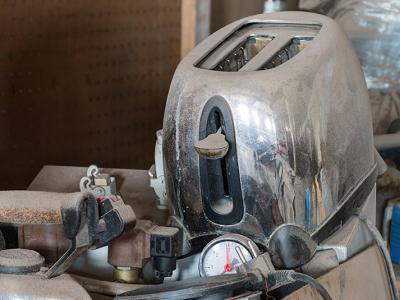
[222, 256]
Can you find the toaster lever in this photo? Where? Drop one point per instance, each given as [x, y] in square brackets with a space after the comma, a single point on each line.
[214, 146]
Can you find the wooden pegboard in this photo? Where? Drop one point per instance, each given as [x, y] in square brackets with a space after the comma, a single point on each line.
[83, 82]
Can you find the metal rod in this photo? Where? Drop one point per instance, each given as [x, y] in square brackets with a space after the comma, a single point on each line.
[253, 251]
[240, 253]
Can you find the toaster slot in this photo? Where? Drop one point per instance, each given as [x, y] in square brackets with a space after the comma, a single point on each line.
[243, 53]
[294, 47]
[258, 46]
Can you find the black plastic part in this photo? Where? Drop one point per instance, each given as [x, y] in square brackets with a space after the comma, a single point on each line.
[10, 236]
[164, 248]
[111, 226]
[164, 242]
[290, 246]
[71, 216]
[149, 275]
[220, 179]
[106, 205]
[394, 126]
[164, 266]
[105, 221]
[112, 223]
[2, 241]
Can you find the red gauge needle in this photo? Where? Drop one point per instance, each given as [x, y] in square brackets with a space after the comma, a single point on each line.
[228, 266]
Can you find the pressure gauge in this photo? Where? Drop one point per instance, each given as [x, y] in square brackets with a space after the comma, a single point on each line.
[223, 254]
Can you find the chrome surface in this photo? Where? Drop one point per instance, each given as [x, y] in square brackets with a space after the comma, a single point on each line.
[302, 130]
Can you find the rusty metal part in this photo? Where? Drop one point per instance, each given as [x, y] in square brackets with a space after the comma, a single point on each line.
[134, 186]
[29, 215]
[26, 207]
[47, 239]
[31, 207]
[133, 247]
[77, 212]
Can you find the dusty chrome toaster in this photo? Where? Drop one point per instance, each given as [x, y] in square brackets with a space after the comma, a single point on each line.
[279, 107]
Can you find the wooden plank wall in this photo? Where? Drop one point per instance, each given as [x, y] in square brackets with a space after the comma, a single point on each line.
[83, 82]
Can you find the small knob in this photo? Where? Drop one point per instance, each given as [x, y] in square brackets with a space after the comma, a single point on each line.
[214, 146]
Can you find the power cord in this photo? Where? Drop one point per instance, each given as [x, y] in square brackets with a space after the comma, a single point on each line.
[277, 279]
[381, 244]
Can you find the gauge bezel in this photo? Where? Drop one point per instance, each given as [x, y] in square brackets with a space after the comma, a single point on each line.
[231, 237]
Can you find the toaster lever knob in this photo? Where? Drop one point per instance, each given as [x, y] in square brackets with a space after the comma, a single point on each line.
[214, 146]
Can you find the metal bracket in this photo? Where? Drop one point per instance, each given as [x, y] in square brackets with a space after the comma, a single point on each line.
[341, 251]
[97, 183]
[156, 173]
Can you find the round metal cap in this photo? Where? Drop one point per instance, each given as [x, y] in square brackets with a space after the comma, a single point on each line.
[20, 261]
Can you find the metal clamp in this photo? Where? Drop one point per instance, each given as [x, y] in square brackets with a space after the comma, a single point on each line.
[98, 183]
